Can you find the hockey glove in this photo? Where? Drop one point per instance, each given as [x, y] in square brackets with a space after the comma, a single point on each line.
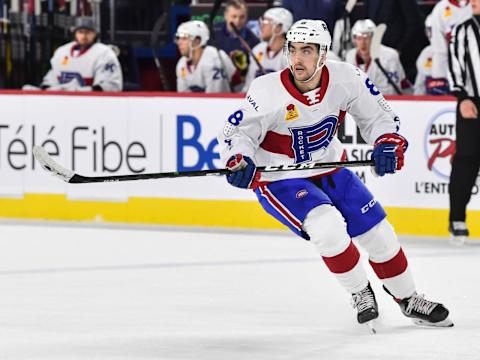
[388, 153]
[244, 172]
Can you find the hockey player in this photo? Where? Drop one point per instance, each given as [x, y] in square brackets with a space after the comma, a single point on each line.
[424, 84]
[362, 33]
[445, 16]
[274, 24]
[327, 207]
[201, 68]
[84, 64]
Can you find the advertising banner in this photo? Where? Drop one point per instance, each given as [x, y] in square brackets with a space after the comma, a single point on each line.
[127, 134]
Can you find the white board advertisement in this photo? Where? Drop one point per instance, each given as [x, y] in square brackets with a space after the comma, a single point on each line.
[106, 135]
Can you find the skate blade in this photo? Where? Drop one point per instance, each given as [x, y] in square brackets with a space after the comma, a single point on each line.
[371, 326]
[444, 323]
[458, 240]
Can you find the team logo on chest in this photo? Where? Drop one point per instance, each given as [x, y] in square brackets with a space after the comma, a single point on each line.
[292, 113]
[308, 139]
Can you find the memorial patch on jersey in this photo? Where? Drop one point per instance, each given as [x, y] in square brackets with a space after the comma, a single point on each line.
[183, 73]
[428, 63]
[259, 56]
[292, 113]
[65, 60]
[309, 139]
[447, 12]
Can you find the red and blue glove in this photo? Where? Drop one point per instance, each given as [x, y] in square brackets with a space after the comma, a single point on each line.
[388, 153]
[244, 172]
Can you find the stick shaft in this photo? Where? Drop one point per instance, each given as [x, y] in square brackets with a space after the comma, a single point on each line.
[69, 176]
[216, 172]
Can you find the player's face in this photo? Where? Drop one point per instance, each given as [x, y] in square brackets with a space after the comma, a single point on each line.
[266, 28]
[183, 44]
[304, 58]
[237, 16]
[475, 7]
[85, 37]
[362, 43]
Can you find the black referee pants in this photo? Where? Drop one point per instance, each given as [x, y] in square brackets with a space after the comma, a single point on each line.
[465, 165]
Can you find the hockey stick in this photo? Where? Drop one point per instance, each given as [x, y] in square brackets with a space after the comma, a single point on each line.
[69, 176]
[158, 28]
[346, 39]
[247, 47]
[375, 54]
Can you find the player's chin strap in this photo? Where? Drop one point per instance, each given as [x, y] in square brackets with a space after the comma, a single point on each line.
[191, 49]
[274, 34]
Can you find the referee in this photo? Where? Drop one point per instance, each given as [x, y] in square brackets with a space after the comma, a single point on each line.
[464, 78]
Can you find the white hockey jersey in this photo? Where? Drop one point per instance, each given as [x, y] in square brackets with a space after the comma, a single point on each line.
[278, 125]
[445, 16]
[391, 63]
[270, 61]
[211, 75]
[424, 70]
[96, 66]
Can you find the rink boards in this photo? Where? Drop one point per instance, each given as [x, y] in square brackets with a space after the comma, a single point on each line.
[105, 134]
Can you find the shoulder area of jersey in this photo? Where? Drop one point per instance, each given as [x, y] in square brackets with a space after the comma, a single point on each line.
[341, 70]
[351, 53]
[261, 46]
[182, 62]
[388, 51]
[211, 51]
[101, 47]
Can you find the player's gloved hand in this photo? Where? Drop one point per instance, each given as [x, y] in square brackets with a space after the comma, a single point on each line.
[388, 153]
[244, 172]
[436, 86]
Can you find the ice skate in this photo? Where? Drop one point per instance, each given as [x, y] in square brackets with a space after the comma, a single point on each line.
[423, 312]
[366, 305]
[459, 232]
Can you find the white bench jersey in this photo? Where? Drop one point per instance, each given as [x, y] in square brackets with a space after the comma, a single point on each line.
[270, 61]
[391, 63]
[97, 65]
[445, 16]
[211, 75]
[424, 70]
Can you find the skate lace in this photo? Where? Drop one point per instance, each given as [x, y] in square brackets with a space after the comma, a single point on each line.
[363, 300]
[420, 305]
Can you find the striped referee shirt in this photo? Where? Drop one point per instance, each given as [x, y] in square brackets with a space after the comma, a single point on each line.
[464, 59]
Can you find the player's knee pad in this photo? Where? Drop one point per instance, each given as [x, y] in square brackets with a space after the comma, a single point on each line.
[380, 242]
[327, 230]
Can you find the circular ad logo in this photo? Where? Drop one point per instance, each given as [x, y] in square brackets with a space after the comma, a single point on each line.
[439, 142]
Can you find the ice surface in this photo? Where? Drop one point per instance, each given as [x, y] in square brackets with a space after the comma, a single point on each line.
[71, 292]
